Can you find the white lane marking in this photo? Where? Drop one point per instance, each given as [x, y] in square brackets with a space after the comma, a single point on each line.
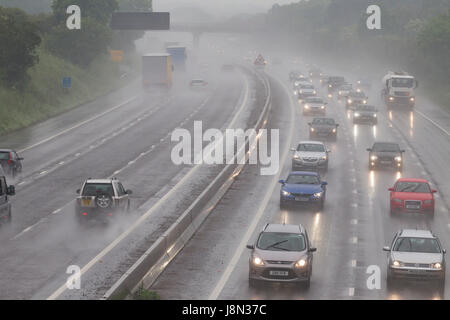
[240, 249]
[61, 163]
[354, 240]
[144, 217]
[433, 122]
[77, 125]
[354, 221]
[57, 211]
[21, 183]
[354, 263]
[43, 172]
[77, 154]
[351, 292]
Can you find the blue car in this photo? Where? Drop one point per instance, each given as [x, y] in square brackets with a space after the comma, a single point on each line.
[303, 188]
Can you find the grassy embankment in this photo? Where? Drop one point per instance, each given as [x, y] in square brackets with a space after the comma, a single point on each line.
[44, 97]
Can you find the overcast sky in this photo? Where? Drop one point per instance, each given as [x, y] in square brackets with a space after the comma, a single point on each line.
[220, 7]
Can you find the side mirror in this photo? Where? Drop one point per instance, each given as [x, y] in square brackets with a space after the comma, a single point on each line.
[337, 124]
[444, 251]
[417, 83]
[309, 123]
[386, 249]
[391, 189]
[11, 191]
[325, 103]
[312, 249]
[369, 149]
[129, 192]
[433, 190]
[324, 183]
[20, 159]
[78, 191]
[250, 246]
[328, 150]
[282, 181]
[293, 149]
[402, 151]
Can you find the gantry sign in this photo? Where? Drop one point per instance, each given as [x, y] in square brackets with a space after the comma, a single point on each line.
[140, 21]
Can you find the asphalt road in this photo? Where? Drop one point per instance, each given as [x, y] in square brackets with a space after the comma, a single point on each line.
[126, 135]
[353, 227]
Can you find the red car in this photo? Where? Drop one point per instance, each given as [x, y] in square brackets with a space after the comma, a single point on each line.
[412, 195]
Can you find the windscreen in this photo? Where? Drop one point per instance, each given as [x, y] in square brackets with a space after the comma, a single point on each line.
[278, 241]
[311, 147]
[302, 179]
[423, 245]
[418, 187]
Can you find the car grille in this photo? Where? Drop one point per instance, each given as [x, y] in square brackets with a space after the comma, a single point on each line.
[413, 203]
[401, 93]
[309, 159]
[301, 195]
[417, 265]
[278, 262]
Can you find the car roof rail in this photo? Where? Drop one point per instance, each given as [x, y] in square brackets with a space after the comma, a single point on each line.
[265, 227]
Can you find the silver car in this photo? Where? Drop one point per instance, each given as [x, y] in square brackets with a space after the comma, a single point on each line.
[415, 254]
[310, 155]
[282, 253]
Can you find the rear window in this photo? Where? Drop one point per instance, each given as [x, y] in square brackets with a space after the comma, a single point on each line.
[4, 155]
[278, 241]
[94, 189]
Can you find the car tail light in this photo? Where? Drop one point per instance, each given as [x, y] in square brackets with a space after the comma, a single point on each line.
[10, 159]
[84, 213]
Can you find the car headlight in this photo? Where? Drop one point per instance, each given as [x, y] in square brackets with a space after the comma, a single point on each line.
[315, 92]
[324, 158]
[329, 86]
[396, 263]
[391, 98]
[340, 92]
[318, 194]
[398, 159]
[364, 101]
[358, 90]
[312, 129]
[285, 193]
[429, 201]
[349, 100]
[300, 263]
[296, 156]
[357, 114]
[334, 130]
[397, 200]
[373, 158]
[257, 261]
[436, 265]
[359, 82]
[322, 107]
[374, 115]
[411, 99]
[306, 106]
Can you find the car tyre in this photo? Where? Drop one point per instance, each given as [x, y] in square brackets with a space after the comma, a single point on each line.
[252, 283]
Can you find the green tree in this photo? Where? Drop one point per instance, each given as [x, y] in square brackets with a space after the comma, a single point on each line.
[99, 10]
[82, 46]
[19, 39]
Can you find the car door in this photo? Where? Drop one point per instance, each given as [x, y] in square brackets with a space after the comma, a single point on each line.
[4, 208]
[121, 195]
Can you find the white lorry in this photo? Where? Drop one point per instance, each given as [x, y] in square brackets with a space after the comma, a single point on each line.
[398, 89]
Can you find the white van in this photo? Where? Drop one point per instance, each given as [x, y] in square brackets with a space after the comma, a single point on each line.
[5, 192]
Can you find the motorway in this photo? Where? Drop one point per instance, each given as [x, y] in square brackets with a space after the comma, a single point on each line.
[353, 227]
[126, 135]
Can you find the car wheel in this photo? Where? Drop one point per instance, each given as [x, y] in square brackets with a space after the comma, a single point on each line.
[103, 200]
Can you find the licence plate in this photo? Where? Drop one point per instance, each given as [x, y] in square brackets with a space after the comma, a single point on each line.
[301, 199]
[279, 273]
[385, 162]
[86, 202]
[412, 207]
[323, 134]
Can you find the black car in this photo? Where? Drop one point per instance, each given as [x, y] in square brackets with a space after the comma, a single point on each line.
[355, 98]
[5, 192]
[365, 113]
[323, 128]
[386, 154]
[10, 161]
[334, 83]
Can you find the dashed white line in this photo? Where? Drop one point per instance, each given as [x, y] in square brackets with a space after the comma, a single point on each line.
[354, 221]
[353, 263]
[351, 292]
[354, 240]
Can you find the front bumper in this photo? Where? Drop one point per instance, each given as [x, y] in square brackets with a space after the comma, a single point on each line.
[300, 200]
[416, 273]
[300, 165]
[291, 274]
[401, 208]
[386, 164]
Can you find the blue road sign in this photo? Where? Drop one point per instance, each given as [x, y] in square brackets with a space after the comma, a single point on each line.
[66, 82]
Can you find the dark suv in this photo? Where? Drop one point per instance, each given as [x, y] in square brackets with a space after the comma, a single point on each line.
[101, 199]
[10, 161]
[5, 192]
[387, 154]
